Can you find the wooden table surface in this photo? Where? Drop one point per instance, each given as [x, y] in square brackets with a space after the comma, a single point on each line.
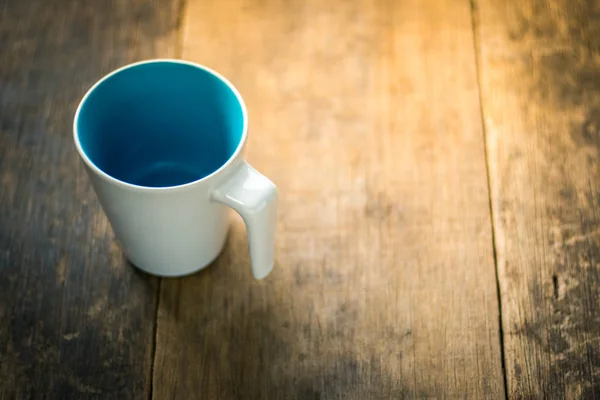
[438, 163]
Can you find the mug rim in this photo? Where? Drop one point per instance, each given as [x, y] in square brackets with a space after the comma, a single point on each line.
[107, 177]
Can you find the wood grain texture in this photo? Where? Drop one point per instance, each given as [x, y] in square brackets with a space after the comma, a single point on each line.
[366, 116]
[540, 79]
[76, 321]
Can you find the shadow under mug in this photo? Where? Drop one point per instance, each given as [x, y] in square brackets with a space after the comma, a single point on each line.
[162, 142]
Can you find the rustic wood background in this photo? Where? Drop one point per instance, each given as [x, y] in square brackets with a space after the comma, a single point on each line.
[439, 224]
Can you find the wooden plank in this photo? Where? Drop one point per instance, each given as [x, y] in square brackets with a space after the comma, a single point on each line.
[540, 78]
[366, 116]
[76, 321]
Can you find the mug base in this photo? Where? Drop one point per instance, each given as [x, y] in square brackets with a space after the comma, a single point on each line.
[178, 274]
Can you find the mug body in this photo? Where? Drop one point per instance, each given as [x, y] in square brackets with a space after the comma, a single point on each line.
[157, 137]
[166, 233]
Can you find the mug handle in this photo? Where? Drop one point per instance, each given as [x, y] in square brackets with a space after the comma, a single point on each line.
[254, 197]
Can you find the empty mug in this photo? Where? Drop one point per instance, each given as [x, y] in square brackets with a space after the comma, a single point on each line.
[162, 143]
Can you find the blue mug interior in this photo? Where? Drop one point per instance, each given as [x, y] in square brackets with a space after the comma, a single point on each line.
[160, 124]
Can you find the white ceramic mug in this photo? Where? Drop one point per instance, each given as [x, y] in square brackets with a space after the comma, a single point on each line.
[162, 142]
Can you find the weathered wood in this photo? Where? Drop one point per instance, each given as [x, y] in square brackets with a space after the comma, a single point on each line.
[366, 116]
[540, 78]
[75, 320]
